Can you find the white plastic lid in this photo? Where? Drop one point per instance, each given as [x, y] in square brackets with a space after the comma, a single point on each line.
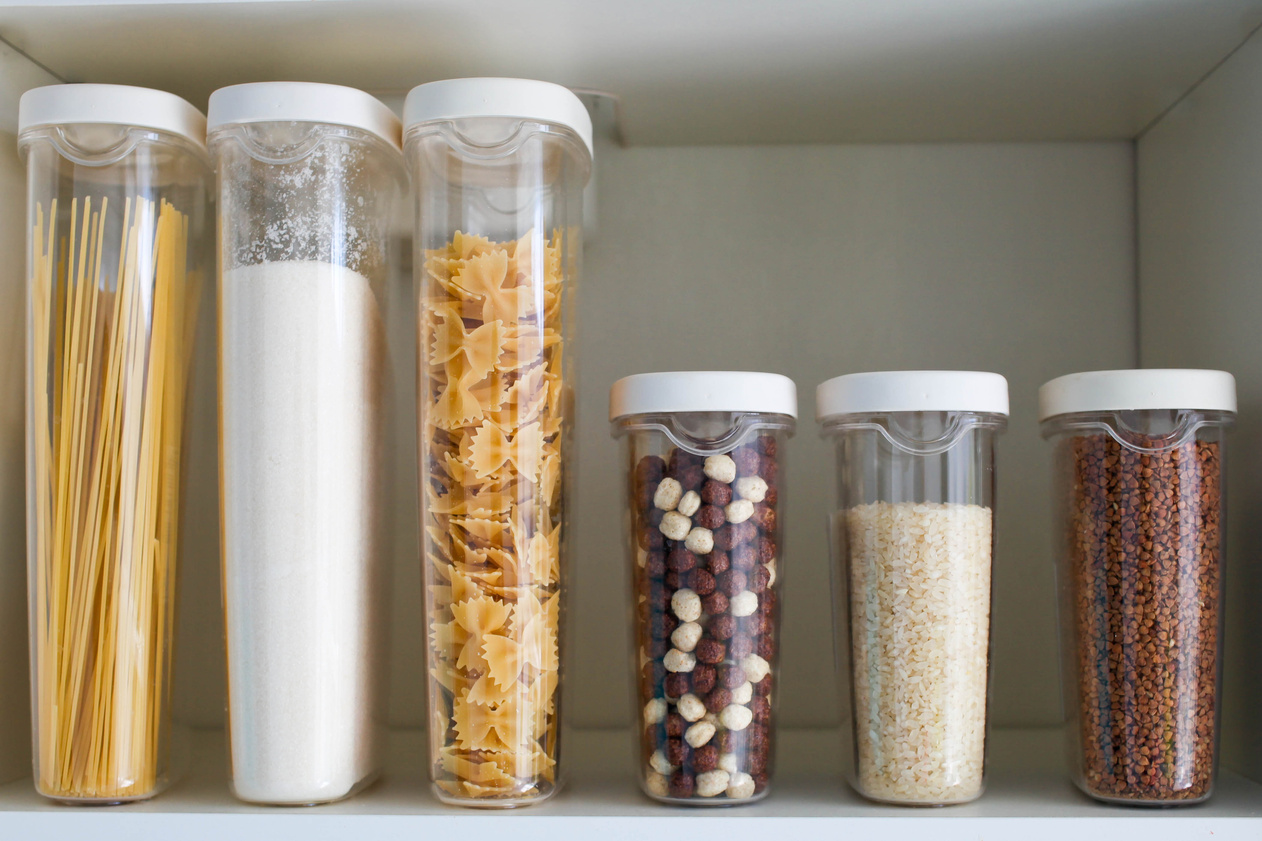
[115, 105]
[521, 99]
[912, 391]
[1137, 390]
[703, 391]
[303, 102]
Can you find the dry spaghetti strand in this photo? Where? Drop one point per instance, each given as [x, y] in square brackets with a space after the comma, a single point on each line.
[111, 351]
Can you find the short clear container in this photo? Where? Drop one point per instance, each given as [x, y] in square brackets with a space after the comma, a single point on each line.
[118, 250]
[1140, 498]
[913, 540]
[498, 168]
[705, 499]
[309, 179]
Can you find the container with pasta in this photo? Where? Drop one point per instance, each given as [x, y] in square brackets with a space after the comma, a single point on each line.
[914, 537]
[117, 255]
[498, 169]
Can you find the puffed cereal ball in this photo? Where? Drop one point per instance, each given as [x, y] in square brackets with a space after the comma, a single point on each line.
[712, 783]
[753, 488]
[679, 661]
[740, 786]
[667, 495]
[675, 525]
[736, 717]
[689, 503]
[655, 711]
[686, 636]
[700, 541]
[743, 604]
[691, 708]
[720, 468]
[699, 733]
[686, 604]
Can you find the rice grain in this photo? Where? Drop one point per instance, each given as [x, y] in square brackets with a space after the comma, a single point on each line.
[920, 624]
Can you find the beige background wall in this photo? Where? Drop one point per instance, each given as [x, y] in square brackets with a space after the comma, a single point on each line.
[811, 261]
[1200, 266]
[818, 261]
[15, 755]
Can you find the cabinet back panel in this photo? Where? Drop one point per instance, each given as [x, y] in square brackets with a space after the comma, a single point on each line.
[1200, 214]
[811, 261]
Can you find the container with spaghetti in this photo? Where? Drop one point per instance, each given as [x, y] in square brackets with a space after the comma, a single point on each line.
[117, 252]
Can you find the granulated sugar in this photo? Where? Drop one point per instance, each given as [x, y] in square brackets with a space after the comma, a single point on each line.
[920, 616]
[302, 370]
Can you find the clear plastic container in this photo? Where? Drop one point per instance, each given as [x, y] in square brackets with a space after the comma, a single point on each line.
[913, 545]
[498, 168]
[118, 248]
[705, 501]
[1140, 498]
[309, 178]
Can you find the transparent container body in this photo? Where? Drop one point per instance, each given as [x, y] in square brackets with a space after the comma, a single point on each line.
[1140, 502]
[118, 251]
[497, 255]
[704, 516]
[913, 543]
[304, 238]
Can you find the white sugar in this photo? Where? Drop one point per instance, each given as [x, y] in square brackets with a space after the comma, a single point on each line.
[302, 373]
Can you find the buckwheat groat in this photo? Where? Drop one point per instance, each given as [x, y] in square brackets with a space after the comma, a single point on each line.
[1145, 555]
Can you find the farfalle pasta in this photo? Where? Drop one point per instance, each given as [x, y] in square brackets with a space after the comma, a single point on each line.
[492, 420]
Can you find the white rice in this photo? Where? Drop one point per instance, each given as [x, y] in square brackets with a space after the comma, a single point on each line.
[920, 616]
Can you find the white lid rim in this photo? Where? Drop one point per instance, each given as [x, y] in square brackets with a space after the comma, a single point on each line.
[430, 126]
[148, 109]
[678, 392]
[497, 97]
[879, 392]
[303, 102]
[1137, 390]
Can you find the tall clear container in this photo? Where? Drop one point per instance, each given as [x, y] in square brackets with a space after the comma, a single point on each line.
[498, 168]
[704, 453]
[118, 189]
[309, 177]
[913, 543]
[1140, 497]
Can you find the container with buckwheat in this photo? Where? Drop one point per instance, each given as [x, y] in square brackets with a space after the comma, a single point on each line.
[1140, 497]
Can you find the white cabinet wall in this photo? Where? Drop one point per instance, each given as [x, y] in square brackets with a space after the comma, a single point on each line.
[14, 703]
[810, 261]
[1200, 270]
[1015, 251]
[815, 261]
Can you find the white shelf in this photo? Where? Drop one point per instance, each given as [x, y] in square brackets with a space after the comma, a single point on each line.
[701, 72]
[1029, 796]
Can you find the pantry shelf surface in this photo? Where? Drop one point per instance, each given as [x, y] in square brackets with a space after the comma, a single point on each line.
[703, 72]
[1028, 794]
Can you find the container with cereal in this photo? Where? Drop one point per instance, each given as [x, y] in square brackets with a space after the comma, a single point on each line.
[1140, 498]
[704, 454]
[498, 169]
[913, 538]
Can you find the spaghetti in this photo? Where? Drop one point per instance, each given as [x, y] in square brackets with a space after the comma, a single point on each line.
[111, 347]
